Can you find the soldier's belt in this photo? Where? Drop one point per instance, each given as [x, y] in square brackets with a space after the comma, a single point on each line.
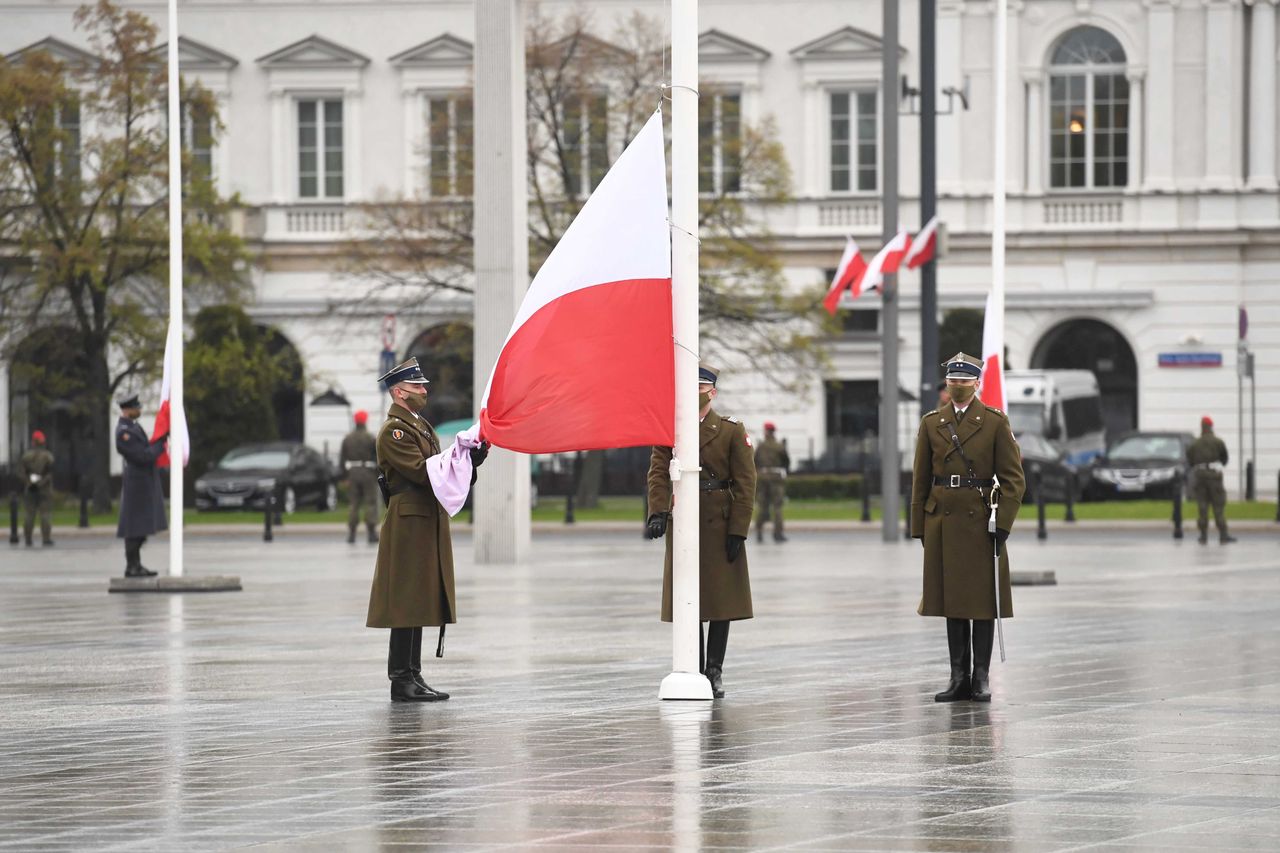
[714, 485]
[1209, 466]
[955, 481]
[362, 464]
[781, 472]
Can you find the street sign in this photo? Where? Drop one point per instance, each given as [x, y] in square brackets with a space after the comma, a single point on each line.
[1190, 359]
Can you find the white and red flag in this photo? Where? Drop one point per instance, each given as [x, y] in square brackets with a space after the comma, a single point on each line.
[848, 276]
[993, 355]
[589, 362]
[170, 421]
[925, 246]
[887, 260]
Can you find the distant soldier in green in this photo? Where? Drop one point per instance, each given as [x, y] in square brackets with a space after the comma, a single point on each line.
[959, 449]
[1208, 456]
[36, 472]
[727, 488]
[359, 461]
[772, 463]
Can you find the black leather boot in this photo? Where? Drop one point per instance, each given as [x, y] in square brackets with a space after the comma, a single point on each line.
[717, 640]
[373, 535]
[415, 664]
[351, 534]
[958, 689]
[399, 662]
[759, 534]
[133, 567]
[984, 634]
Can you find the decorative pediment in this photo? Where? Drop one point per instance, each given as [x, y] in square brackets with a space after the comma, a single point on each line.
[446, 51]
[58, 49]
[587, 45]
[194, 56]
[844, 44]
[715, 46]
[314, 52]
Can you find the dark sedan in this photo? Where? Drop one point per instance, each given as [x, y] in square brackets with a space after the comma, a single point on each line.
[1143, 465]
[246, 477]
[1043, 462]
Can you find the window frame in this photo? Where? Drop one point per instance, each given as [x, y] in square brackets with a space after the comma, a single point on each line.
[1089, 71]
[321, 175]
[717, 172]
[854, 91]
[454, 174]
[588, 178]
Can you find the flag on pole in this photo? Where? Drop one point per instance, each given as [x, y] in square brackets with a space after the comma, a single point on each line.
[925, 246]
[171, 420]
[848, 275]
[886, 261]
[993, 355]
[589, 363]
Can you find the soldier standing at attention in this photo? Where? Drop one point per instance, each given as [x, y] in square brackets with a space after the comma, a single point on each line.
[141, 497]
[413, 581]
[727, 486]
[772, 462]
[958, 450]
[359, 460]
[1208, 456]
[35, 468]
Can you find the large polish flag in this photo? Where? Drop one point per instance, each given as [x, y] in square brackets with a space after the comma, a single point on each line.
[848, 274]
[170, 420]
[589, 363]
[887, 260]
[993, 357]
[925, 246]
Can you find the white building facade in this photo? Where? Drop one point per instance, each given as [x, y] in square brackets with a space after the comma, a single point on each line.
[1142, 179]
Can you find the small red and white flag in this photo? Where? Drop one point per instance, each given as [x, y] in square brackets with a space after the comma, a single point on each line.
[171, 420]
[925, 246]
[886, 261]
[993, 355]
[848, 275]
[589, 363]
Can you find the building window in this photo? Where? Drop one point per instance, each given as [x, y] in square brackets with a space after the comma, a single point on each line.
[1088, 112]
[853, 141]
[64, 160]
[197, 137]
[720, 144]
[450, 166]
[585, 143]
[320, 148]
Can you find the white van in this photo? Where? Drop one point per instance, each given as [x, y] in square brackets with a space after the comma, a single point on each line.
[1064, 406]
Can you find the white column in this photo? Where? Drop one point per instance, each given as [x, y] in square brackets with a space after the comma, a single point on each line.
[950, 74]
[1036, 139]
[1015, 102]
[1163, 116]
[1262, 97]
[1221, 144]
[501, 532]
[814, 182]
[281, 127]
[1136, 77]
[410, 103]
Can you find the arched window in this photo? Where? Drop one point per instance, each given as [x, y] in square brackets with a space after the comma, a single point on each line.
[1088, 112]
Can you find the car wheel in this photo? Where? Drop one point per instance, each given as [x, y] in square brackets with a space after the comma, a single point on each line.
[330, 500]
[290, 501]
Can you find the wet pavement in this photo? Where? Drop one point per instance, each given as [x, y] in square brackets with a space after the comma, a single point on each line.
[1139, 709]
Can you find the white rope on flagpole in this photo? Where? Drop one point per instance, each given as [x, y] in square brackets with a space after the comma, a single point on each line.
[177, 453]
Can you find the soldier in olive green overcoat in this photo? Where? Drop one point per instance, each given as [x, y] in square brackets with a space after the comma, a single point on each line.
[1207, 456]
[727, 485]
[950, 496]
[35, 469]
[413, 581]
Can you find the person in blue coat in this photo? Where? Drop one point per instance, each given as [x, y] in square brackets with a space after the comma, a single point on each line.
[141, 498]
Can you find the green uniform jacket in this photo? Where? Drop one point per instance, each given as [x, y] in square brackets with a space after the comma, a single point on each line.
[724, 454]
[413, 581]
[1207, 449]
[359, 447]
[37, 461]
[771, 454]
[958, 554]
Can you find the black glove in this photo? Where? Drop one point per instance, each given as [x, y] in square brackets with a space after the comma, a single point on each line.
[733, 546]
[657, 524]
[478, 454]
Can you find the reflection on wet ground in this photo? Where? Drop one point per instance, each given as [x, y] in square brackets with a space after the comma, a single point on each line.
[1137, 709]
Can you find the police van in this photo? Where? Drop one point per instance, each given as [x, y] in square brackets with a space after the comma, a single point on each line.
[1063, 406]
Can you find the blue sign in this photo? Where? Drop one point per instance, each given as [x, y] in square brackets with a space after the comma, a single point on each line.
[1190, 359]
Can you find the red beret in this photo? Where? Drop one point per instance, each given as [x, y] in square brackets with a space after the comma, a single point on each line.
[769, 425]
[37, 437]
[1206, 421]
[361, 416]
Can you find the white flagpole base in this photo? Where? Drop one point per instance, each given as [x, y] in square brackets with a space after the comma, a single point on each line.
[685, 685]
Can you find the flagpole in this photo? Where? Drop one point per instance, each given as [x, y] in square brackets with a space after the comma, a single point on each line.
[684, 681]
[998, 178]
[177, 453]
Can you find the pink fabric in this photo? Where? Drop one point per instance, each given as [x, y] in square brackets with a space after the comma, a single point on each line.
[450, 471]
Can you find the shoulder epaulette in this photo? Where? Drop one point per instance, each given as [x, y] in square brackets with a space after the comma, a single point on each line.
[997, 411]
[731, 419]
[934, 412]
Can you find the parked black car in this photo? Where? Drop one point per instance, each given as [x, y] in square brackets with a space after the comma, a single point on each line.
[246, 477]
[1143, 465]
[1038, 453]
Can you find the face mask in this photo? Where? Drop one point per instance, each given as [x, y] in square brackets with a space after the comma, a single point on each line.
[415, 402]
[703, 399]
[961, 394]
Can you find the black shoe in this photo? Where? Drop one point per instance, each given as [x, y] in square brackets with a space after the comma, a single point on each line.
[778, 537]
[958, 689]
[418, 679]
[48, 543]
[373, 536]
[351, 536]
[28, 543]
[717, 684]
[759, 536]
[1204, 539]
[1226, 540]
[405, 689]
[981, 687]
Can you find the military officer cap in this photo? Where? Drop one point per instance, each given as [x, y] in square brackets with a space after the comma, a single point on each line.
[130, 402]
[707, 375]
[961, 366]
[405, 371]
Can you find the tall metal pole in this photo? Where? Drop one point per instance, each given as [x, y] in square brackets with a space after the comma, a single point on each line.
[684, 681]
[174, 347]
[889, 473]
[928, 201]
[996, 303]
